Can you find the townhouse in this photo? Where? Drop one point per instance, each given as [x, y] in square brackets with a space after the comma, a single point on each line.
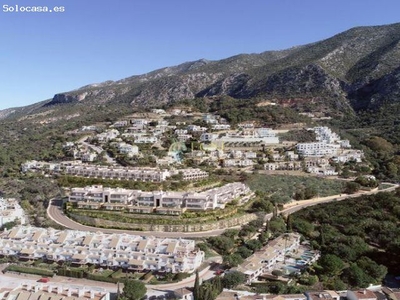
[132, 252]
[54, 291]
[284, 165]
[322, 295]
[128, 149]
[146, 139]
[136, 174]
[35, 166]
[175, 203]
[238, 163]
[107, 135]
[250, 137]
[97, 193]
[191, 174]
[221, 127]
[195, 128]
[363, 294]
[119, 124]
[264, 260]
[208, 137]
[245, 295]
[265, 132]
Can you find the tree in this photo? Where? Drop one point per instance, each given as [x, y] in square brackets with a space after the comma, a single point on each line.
[222, 244]
[233, 279]
[244, 252]
[277, 225]
[231, 233]
[351, 187]
[331, 264]
[277, 273]
[356, 277]
[196, 288]
[232, 260]
[134, 290]
[254, 245]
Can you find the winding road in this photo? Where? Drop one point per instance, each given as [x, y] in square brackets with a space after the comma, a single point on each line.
[54, 211]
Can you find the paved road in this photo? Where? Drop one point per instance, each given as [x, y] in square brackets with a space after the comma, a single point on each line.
[98, 150]
[12, 280]
[55, 213]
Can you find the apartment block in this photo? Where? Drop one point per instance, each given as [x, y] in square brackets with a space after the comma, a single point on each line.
[136, 174]
[53, 291]
[264, 260]
[191, 174]
[132, 252]
[95, 197]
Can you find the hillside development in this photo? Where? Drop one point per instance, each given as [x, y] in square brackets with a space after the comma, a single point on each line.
[224, 151]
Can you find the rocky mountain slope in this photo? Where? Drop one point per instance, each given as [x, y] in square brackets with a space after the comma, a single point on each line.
[356, 69]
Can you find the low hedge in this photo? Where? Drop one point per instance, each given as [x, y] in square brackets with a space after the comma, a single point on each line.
[29, 270]
[102, 278]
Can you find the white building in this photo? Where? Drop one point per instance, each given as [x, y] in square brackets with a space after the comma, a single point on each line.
[35, 166]
[129, 150]
[107, 135]
[158, 111]
[145, 139]
[119, 124]
[265, 132]
[195, 128]
[221, 127]
[140, 122]
[54, 291]
[191, 174]
[136, 174]
[89, 128]
[317, 149]
[264, 260]
[250, 154]
[210, 119]
[247, 138]
[325, 171]
[362, 294]
[208, 137]
[132, 252]
[11, 211]
[238, 163]
[97, 196]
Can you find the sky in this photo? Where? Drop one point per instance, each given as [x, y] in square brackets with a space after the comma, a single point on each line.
[92, 41]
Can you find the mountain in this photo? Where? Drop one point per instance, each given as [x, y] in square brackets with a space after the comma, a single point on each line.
[354, 70]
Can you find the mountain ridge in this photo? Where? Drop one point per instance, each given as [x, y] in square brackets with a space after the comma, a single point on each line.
[359, 62]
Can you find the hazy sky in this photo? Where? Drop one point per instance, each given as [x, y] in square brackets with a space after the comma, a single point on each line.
[93, 41]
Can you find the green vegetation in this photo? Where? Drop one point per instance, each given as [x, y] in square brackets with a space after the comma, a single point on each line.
[358, 238]
[29, 270]
[233, 279]
[157, 219]
[133, 290]
[236, 245]
[300, 136]
[375, 131]
[209, 289]
[34, 192]
[240, 110]
[280, 189]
